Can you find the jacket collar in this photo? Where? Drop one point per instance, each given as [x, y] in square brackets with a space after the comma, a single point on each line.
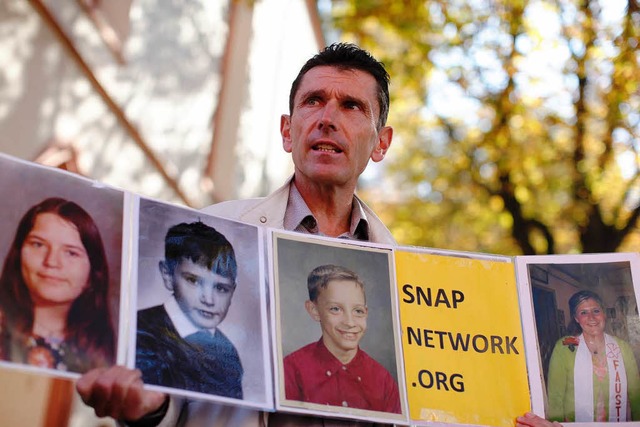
[270, 212]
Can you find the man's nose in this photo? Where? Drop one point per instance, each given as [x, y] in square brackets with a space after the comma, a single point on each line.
[328, 116]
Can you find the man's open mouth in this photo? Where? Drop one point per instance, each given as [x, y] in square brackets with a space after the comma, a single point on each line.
[327, 148]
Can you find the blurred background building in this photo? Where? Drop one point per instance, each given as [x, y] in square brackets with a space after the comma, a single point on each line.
[176, 101]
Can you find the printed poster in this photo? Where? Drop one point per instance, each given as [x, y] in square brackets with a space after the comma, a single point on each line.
[450, 328]
[462, 339]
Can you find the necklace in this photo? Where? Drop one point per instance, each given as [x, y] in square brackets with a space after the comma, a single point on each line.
[594, 346]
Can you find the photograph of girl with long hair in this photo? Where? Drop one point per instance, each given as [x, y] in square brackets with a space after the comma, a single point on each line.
[54, 305]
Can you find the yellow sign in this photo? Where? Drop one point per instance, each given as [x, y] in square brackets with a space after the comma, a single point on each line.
[462, 339]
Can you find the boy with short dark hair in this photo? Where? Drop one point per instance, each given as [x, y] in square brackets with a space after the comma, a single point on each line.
[334, 370]
[178, 343]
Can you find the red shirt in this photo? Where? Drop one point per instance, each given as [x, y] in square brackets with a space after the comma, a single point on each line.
[313, 374]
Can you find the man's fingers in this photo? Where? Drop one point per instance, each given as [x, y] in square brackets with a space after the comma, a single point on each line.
[116, 384]
[139, 402]
[84, 385]
[118, 392]
[532, 420]
[106, 396]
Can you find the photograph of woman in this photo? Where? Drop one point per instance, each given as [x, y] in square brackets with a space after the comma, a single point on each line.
[593, 376]
[54, 305]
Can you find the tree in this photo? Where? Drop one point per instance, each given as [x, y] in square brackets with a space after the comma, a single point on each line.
[517, 124]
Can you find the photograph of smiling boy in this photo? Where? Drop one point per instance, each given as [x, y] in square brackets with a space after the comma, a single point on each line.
[198, 321]
[295, 256]
[334, 370]
[62, 229]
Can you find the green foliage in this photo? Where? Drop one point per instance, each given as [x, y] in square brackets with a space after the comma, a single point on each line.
[516, 122]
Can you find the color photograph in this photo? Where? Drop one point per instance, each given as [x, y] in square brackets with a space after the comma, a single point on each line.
[61, 267]
[337, 346]
[588, 335]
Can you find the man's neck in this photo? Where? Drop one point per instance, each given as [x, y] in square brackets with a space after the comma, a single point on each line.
[330, 205]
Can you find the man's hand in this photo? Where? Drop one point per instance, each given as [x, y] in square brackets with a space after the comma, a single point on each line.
[118, 392]
[532, 420]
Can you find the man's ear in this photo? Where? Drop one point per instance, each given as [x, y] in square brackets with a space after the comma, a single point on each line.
[167, 275]
[384, 142]
[285, 131]
[312, 309]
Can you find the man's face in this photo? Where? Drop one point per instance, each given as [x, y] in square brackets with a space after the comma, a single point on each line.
[203, 295]
[342, 312]
[332, 132]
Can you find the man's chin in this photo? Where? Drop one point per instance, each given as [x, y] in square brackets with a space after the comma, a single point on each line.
[325, 174]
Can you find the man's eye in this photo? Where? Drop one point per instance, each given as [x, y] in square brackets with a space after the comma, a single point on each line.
[312, 100]
[334, 309]
[351, 105]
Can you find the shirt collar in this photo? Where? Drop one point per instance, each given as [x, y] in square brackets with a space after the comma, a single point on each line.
[180, 320]
[298, 217]
[322, 353]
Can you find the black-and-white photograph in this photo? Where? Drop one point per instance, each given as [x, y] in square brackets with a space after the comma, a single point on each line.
[201, 305]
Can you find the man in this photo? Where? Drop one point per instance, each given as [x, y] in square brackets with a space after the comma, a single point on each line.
[178, 343]
[338, 109]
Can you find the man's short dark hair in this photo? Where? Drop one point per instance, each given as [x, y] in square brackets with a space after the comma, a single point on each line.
[347, 56]
[201, 244]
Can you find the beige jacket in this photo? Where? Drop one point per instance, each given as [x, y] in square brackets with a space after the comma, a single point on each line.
[269, 212]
